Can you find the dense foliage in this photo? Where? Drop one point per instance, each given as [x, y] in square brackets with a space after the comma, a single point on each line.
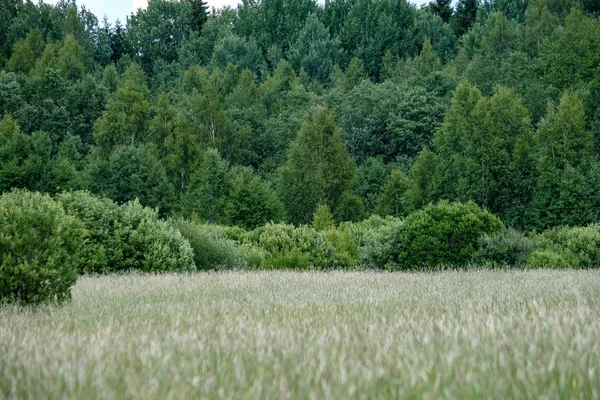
[39, 247]
[276, 115]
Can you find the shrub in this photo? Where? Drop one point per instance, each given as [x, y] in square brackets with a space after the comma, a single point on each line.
[287, 247]
[103, 250]
[507, 248]
[438, 235]
[38, 249]
[547, 259]
[379, 242]
[213, 250]
[570, 248]
[126, 237]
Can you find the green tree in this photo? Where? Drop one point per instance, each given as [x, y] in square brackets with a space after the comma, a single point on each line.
[370, 178]
[125, 120]
[315, 51]
[250, 202]
[208, 189]
[322, 219]
[567, 183]
[575, 55]
[393, 196]
[464, 16]
[318, 169]
[443, 8]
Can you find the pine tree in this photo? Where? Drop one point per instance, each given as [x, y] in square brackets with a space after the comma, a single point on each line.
[465, 16]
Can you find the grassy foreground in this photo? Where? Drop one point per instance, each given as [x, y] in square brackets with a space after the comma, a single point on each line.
[310, 335]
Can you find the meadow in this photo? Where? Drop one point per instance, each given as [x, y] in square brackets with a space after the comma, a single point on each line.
[477, 334]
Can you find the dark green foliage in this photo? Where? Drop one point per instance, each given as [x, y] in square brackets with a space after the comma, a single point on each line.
[442, 234]
[131, 173]
[39, 247]
[250, 202]
[370, 178]
[443, 8]
[464, 16]
[127, 237]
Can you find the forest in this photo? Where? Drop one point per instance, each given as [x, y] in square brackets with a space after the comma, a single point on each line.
[315, 122]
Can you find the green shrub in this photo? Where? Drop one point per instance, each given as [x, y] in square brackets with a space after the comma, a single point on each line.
[38, 249]
[442, 234]
[126, 237]
[547, 259]
[287, 247]
[507, 248]
[213, 250]
[103, 250]
[577, 247]
[378, 240]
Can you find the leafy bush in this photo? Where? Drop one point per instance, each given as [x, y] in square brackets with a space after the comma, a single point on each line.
[38, 249]
[565, 247]
[126, 237]
[287, 247]
[547, 259]
[379, 242]
[213, 250]
[444, 234]
[440, 234]
[507, 248]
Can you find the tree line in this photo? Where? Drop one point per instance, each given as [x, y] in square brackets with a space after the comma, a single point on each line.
[278, 109]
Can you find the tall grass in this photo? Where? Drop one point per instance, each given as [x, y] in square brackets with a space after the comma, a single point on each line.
[482, 334]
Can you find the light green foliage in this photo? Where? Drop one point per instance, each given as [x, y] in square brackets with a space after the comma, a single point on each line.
[125, 120]
[574, 56]
[393, 195]
[565, 247]
[318, 169]
[26, 52]
[39, 247]
[287, 247]
[379, 242]
[323, 219]
[212, 249]
[127, 237]
[427, 61]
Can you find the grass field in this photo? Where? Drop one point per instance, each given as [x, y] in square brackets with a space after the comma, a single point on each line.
[484, 334]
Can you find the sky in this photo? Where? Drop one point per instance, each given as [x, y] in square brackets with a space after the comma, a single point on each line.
[122, 8]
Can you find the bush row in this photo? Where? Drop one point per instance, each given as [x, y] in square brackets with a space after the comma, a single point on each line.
[45, 243]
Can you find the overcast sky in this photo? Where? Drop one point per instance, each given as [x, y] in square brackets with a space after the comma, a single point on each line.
[121, 8]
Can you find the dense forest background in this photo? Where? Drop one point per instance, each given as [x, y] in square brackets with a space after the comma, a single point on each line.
[278, 108]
